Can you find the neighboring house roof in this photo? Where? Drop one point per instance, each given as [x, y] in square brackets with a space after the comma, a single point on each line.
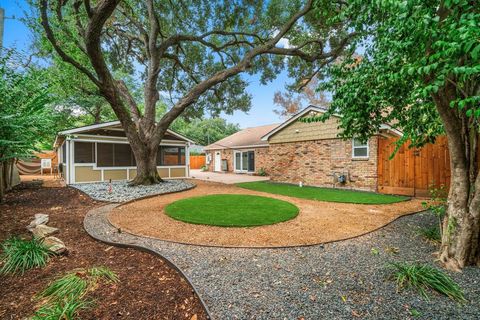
[309, 109]
[247, 138]
[111, 125]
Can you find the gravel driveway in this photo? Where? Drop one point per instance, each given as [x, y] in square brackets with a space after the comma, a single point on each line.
[343, 280]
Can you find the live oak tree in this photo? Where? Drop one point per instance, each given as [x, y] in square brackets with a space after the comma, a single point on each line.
[420, 71]
[187, 53]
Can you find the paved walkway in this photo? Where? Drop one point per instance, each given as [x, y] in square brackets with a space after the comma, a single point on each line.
[342, 280]
[228, 178]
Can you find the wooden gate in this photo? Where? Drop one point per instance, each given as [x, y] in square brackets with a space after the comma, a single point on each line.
[412, 171]
[197, 162]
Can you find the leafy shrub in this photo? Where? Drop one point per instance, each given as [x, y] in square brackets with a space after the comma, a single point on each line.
[438, 206]
[262, 172]
[20, 255]
[431, 234]
[65, 297]
[422, 277]
[204, 168]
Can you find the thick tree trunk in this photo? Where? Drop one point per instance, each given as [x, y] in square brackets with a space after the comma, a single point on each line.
[146, 158]
[461, 226]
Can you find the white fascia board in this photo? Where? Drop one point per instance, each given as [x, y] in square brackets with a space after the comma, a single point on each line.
[292, 119]
[111, 124]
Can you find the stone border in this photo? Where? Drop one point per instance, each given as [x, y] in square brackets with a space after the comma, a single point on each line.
[193, 185]
[97, 218]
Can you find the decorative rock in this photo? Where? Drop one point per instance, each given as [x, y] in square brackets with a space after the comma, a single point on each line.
[120, 191]
[56, 245]
[42, 231]
[40, 219]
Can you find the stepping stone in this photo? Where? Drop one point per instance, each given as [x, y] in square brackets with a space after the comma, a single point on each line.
[56, 245]
[42, 231]
[40, 219]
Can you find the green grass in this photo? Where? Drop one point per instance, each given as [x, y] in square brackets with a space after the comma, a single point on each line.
[431, 234]
[322, 194]
[19, 255]
[232, 210]
[65, 297]
[422, 277]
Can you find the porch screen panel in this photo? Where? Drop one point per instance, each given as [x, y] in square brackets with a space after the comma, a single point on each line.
[64, 152]
[171, 156]
[104, 154]
[122, 155]
[84, 152]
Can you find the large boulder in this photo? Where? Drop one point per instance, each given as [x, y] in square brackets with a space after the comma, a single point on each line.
[42, 231]
[55, 245]
[40, 218]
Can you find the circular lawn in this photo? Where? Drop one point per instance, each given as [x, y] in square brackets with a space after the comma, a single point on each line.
[231, 210]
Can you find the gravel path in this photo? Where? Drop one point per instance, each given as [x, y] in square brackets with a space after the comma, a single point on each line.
[342, 280]
[121, 191]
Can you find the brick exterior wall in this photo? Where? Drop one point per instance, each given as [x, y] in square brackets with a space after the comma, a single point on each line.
[261, 158]
[315, 162]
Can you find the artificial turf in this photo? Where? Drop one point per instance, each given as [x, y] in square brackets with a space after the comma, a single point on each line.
[322, 194]
[232, 210]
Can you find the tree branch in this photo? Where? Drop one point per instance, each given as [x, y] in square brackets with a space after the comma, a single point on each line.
[50, 36]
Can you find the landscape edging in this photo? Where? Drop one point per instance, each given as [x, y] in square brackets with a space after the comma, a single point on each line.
[143, 249]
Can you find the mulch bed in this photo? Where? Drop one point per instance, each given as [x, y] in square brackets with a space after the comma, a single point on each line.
[148, 289]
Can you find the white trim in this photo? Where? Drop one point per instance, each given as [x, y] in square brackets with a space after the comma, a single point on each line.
[94, 138]
[114, 123]
[363, 146]
[237, 147]
[292, 119]
[241, 161]
[90, 127]
[320, 110]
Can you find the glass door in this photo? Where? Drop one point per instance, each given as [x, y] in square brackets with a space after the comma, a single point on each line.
[244, 161]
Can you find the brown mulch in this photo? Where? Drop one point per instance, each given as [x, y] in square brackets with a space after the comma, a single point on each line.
[317, 221]
[148, 289]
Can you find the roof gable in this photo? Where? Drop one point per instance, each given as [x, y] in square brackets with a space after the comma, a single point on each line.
[250, 137]
[112, 126]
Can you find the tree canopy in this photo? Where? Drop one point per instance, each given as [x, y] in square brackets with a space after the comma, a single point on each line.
[419, 72]
[188, 55]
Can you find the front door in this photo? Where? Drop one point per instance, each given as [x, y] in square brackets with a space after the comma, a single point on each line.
[218, 162]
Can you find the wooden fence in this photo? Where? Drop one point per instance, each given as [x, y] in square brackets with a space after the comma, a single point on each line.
[413, 171]
[196, 162]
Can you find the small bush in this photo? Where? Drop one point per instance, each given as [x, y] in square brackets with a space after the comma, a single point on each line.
[423, 277]
[431, 234]
[20, 255]
[65, 297]
[262, 172]
[65, 310]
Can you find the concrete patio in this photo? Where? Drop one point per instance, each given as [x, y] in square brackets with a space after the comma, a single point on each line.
[228, 178]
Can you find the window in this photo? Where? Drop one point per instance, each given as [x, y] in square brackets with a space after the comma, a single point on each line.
[64, 152]
[84, 152]
[171, 156]
[114, 155]
[360, 149]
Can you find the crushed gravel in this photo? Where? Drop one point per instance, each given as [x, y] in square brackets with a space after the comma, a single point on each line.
[120, 191]
[341, 280]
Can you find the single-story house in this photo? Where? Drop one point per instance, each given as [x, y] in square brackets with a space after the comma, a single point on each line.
[101, 152]
[241, 152]
[301, 151]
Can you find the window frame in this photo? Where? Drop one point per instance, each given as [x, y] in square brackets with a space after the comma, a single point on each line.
[366, 145]
[94, 152]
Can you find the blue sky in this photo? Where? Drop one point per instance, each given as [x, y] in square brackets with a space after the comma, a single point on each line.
[18, 35]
